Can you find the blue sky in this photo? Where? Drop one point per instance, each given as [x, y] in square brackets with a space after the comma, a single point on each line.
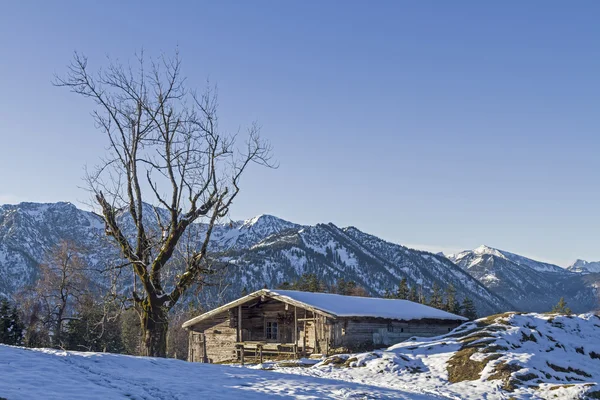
[439, 125]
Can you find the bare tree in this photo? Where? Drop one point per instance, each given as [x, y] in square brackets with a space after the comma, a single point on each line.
[61, 287]
[165, 150]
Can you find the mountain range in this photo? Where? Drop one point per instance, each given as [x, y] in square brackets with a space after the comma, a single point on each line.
[267, 251]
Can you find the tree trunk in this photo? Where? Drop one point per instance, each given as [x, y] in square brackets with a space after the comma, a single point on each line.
[154, 321]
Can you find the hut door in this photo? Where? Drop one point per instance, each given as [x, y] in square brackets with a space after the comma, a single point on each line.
[197, 348]
[285, 333]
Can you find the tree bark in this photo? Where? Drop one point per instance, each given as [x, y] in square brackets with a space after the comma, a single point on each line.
[154, 322]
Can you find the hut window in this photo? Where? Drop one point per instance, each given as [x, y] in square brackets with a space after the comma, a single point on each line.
[271, 330]
[390, 328]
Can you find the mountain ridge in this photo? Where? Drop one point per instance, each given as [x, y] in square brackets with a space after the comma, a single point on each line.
[529, 284]
[263, 250]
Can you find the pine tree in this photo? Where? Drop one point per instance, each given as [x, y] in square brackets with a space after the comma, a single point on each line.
[436, 300]
[313, 284]
[402, 292]
[388, 294]
[16, 336]
[11, 328]
[561, 307]
[244, 291]
[468, 309]
[5, 322]
[412, 295]
[94, 329]
[452, 305]
[341, 286]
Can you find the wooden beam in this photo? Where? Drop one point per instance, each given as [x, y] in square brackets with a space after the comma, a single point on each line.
[295, 325]
[316, 332]
[190, 347]
[304, 335]
[239, 325]
[295, 332]
[326, 334]
[204, 355]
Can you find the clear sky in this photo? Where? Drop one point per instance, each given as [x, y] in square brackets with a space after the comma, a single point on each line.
[435, 124]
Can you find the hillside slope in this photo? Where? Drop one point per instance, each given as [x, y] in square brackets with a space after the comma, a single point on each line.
[511, 355]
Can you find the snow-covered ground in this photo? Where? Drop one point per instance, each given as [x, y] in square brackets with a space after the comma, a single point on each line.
[50, 374]
[521, 356]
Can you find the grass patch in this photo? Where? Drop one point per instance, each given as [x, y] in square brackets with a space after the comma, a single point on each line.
[594, 355]
[568, 370]
[474, 337]
[462, 333]
[579, 350]
[595, 394]
[496, 319]
[494, 348]
[527, 377]
[527, 338]
[293, 364]
[562, 386]
[336, 361]
[461, 368]
[503, 371]
[350, 360]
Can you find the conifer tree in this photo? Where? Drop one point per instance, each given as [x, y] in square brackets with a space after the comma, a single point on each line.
[412, 295]
[11, 328]
[341, 287]
[436, 300]
[452, 305]
[402, 292]
[468, 309]
[561, 307]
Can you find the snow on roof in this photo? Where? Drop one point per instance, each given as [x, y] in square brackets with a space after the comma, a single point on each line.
[353, 306]
[341, 306]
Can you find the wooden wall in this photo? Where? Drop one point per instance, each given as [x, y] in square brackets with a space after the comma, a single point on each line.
[357, 334]
[219, 337]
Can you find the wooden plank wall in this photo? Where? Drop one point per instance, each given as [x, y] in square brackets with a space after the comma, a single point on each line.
[220, 340]
[356, 334]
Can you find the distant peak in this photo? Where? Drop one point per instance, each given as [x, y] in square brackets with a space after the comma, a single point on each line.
[265, 219]
[253, 220]
[261, 217]
[579, 262]
[483, 249]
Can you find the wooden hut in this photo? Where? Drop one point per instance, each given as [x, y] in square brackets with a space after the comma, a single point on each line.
[292, 323]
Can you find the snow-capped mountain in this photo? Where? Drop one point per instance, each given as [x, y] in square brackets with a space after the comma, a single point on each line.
[530, 285]
[331, 253]
[585, 267]
[267, 250]
[29, 230]
[264, 250]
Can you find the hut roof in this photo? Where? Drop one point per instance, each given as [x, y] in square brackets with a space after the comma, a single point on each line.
[335, 305]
